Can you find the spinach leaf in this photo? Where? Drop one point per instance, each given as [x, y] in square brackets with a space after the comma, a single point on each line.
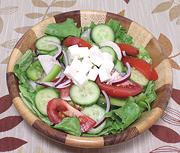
[70, 125]
[64, 29]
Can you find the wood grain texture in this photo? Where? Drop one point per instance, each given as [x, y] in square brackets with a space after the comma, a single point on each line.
[73, 14]
[40, 27]
[123, 136]
[12, 84]
[84, 142]
[141, 35]
[49, 132]
[164, 74]
[147, 119]
[24, 111]
[125, 22]
[163, 96]
[155, 51]
[16, 54]
[92, 16]
[27, 41]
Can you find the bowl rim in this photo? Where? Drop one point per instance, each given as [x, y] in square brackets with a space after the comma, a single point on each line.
[85, 142]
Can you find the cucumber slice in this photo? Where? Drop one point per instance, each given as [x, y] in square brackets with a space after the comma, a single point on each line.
[35, 71]
[43, 97]
[138, 77]
[117, 102]
[42, 43]
[96, 113]
[85, 95]
[102, 33]
[119, 66]
[52, 53]
[111, 51]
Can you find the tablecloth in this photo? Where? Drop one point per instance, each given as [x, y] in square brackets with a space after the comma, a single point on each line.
[161, 17]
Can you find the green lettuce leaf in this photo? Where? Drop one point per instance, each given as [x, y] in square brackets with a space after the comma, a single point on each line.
[64, 29]
[143, 54]
[70, 125]
[121, 35]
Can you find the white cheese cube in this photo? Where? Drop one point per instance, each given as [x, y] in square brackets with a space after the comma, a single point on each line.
[96, 56]
[79, 78]
[86, 65]
[83, 52]
[107, 56]
[104, 75]
[75, 65]
[47, 62]
[73, 51]
[69, 72]
[93, 73]
[108, 66]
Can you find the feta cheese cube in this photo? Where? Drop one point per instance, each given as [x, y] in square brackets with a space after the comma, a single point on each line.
[107, 56]
[86, 65]
[96, 56]
[93, 73]
[104, 75]
[83, 52]
[79, 78]
[75, 65]
[108, 66]
[73, 51]
[69, 72]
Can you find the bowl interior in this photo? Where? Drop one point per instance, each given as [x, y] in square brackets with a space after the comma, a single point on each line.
[141, 36]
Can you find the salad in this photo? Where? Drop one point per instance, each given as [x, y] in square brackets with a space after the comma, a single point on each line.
[87, 81]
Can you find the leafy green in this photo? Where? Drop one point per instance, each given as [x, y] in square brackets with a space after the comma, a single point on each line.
[143, 54]
[21, 66]
[121, 118]
[64, 29]
[70, 125]
[121, 35]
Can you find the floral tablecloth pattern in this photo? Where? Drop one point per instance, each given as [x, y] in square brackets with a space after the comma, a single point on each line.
[161, 17]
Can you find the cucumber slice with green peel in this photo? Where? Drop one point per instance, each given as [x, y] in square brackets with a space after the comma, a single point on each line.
[96, 113]
[35, 71]
[52, 74]
[117, 102]
[138, 77]
[111, 51]
[42, 43]
[119, 66]
[85, 95]
[52, 53]
[102, 33]
[43, 97]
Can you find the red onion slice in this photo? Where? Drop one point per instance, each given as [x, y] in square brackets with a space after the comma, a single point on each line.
[124, 53]
[124, 78]
[66, 98]
[108, 105]
[47, 84]
[61, 77]
[63, 86]
[67, 82]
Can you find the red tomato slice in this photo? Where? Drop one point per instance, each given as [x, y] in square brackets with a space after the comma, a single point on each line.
[130, 50]
[56, 106]
[120, 90]
[69, 41]
[145, 68]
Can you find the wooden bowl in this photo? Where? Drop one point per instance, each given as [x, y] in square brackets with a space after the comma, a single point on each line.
[141, 37]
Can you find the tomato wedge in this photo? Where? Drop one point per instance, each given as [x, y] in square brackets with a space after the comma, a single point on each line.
[69, 41]
[130, 50]
[120, 90]
[145, 68]
[56, 107]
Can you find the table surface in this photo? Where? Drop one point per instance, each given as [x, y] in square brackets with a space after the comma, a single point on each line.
[161, 17]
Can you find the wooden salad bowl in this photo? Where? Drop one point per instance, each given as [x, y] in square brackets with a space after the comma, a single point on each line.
[141, 37]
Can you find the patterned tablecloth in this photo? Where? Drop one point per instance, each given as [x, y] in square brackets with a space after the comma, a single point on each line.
[161, 17]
